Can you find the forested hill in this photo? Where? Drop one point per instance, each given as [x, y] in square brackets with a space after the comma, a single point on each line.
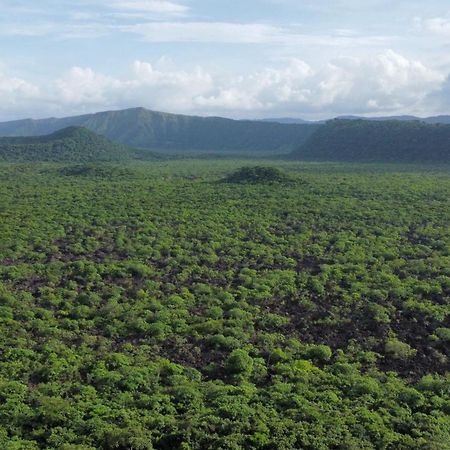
[141, 128]
[72, 144]
[378, 141]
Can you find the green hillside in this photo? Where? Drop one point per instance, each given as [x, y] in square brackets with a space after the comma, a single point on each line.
[141, 128]
[378, 141]
[72, 144]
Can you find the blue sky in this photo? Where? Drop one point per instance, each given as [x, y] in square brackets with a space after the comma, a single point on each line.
[250, 58]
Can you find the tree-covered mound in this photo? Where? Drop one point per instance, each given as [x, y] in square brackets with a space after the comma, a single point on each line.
[257, 174]
[142, 128]
[378, 141]
[75, 144]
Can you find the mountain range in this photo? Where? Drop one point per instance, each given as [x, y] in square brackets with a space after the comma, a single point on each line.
[164, 132]
[136, 134]
[292, 120]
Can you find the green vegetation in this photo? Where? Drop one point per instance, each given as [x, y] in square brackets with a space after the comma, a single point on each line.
[149, 306]
[378, 141]
[257, 174]
[338, 140]
[73, 144]
[141, 128]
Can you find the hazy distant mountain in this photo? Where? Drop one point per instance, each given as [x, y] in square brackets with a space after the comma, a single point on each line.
[291, 120]
[141, 128]
[378, 141]
[383, 118]
[406, 118]
[431, 120]
[72, 144]
[438, 119]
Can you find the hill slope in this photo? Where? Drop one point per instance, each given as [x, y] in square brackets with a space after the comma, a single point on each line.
[72, 144]
[141, 128]
[378, 141]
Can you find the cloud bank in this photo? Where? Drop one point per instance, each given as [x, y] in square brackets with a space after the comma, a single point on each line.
[389, 83]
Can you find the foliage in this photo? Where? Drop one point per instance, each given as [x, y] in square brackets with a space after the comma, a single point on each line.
[377, 141]
[257, 174]
[141, 128]
[70, 144]
[398, 349]
[147, 306]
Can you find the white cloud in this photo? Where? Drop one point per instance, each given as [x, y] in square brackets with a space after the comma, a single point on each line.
[84, 86]
[205, 32]
[30, 30]
[384, 83]
[152, 6]
[79, 30]
[437, 25]
[247, 33]
[167, 88]
[399, 73]
[388, 82]
[146, 84]
[18, 96]
[12, 89]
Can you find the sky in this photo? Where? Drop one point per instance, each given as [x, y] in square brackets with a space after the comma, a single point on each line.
[310, 59]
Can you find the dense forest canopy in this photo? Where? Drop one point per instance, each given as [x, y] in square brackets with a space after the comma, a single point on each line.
[378, 141]
[400, 141]
[72, 144]
[151, 306]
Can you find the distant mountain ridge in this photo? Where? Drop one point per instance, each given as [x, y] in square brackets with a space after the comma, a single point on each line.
[136, 133]
[71, 144]
[293, 120]
[443, 119]
[145, 129]
[377, 141]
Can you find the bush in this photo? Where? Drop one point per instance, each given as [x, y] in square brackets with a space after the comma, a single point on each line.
[320, 353]
[443, 334]
[399, 350]
[239, 362]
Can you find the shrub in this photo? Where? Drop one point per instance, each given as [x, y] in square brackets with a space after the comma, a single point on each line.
[320, 353]
[399, 350]
[443, 334]
[239, 362]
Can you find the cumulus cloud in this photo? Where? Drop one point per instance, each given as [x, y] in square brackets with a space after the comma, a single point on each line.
[151, 85]
[84, 86]
[18, 95]
[12, 89]
[387, 82]
[398, 72]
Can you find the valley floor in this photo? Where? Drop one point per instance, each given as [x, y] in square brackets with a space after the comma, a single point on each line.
[153, 306]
